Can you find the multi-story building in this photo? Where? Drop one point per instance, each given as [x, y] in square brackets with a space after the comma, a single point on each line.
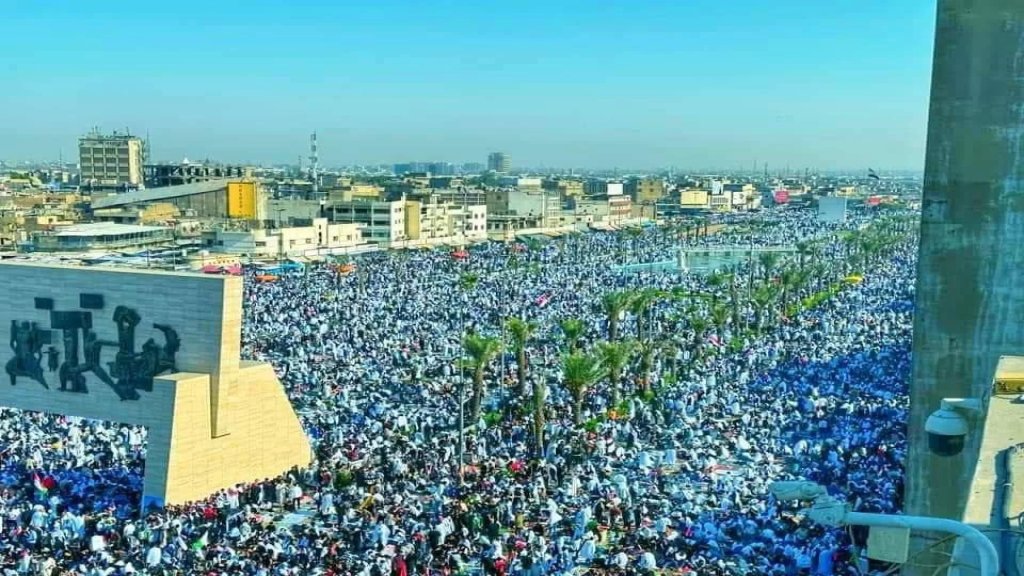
[443, 182]
[380, 222]
[111, 161]
[441, 169]
[159, 175]
[566, 188]
[721, 202]
[431, 221]
[499, 162]
[319, 238]
[521, 203]
[646, 191]
[461, 196]
[528, 184]
[595, 187]
[694, 200]
[356, 192]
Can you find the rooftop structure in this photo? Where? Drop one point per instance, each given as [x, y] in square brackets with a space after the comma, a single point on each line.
[100, 236]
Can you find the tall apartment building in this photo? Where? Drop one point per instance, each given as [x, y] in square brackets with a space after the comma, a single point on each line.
[111, 160]
[499, 162]
[646, 190]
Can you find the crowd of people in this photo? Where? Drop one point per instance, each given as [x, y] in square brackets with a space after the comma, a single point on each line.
[673, 479]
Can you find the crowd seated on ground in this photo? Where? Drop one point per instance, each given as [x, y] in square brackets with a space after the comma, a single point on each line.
[671, 478]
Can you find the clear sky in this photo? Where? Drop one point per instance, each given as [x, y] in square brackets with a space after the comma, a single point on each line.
[570, 83]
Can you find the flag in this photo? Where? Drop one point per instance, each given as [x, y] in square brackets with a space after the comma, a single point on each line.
[39, 484]
[201, 542]
[873, 174]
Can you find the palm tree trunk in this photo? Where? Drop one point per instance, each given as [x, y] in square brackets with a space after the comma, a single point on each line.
[478, 395]
[577, 408]
[613, 327]
[613, 379]
[538, 416]
[521, 371]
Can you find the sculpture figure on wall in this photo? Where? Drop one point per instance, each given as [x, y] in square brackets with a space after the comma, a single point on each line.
[71, 379]
[74, 373]
[129, 372]
[27, 342]
[135, 371]
[52, 359]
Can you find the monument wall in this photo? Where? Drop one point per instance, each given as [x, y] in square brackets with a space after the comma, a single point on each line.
[155, 349]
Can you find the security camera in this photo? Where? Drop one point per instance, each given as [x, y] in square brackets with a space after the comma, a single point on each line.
[947, 427]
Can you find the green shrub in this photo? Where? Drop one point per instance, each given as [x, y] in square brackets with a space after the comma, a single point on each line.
[492, 418]
[594, 423]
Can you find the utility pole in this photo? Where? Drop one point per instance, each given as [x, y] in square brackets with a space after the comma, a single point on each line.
[971, 239]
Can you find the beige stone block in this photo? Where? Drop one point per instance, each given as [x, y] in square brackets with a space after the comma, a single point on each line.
[216, 423]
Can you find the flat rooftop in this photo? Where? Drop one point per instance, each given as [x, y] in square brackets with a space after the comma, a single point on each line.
[105, 229]
[1004, 428]
[161, 193]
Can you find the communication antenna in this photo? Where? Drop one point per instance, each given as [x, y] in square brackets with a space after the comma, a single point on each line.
[314, 160]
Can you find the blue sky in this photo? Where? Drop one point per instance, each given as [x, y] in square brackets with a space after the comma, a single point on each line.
[686, 83]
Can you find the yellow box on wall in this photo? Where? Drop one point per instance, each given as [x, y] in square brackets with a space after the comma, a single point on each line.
[242, 200]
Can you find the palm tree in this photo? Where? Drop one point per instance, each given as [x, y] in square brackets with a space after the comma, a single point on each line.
[789, 280]
[615, 356]
[614, 305]
[640, 303]
[804, 249]
[719, 317]
[762, 299]
[540, 394]
[572, 329]
[521, 332]
[480, 350]
[634, 234]
[700, 325]
[716, 282]
[768, 261]
[734, 299]
[647, 350]
[580, 372]
[468, 281]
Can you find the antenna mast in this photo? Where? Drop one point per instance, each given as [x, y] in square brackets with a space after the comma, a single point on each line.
[314, 160]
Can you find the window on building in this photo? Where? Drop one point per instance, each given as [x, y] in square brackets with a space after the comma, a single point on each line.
[261, 244]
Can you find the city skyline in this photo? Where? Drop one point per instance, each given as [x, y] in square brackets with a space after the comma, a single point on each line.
[562, 84]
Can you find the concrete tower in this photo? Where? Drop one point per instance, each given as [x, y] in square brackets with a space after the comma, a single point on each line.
[970, 285]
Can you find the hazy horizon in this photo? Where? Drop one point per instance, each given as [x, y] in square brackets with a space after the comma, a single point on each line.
[563, 83]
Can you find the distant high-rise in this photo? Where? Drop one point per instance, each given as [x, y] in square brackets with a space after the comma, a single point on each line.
[499, 162]
[111, 160]
[441, 169]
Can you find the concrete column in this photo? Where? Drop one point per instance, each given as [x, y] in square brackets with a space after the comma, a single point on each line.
[970, 285]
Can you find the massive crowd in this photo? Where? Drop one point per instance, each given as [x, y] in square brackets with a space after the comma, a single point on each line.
[675, 482]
